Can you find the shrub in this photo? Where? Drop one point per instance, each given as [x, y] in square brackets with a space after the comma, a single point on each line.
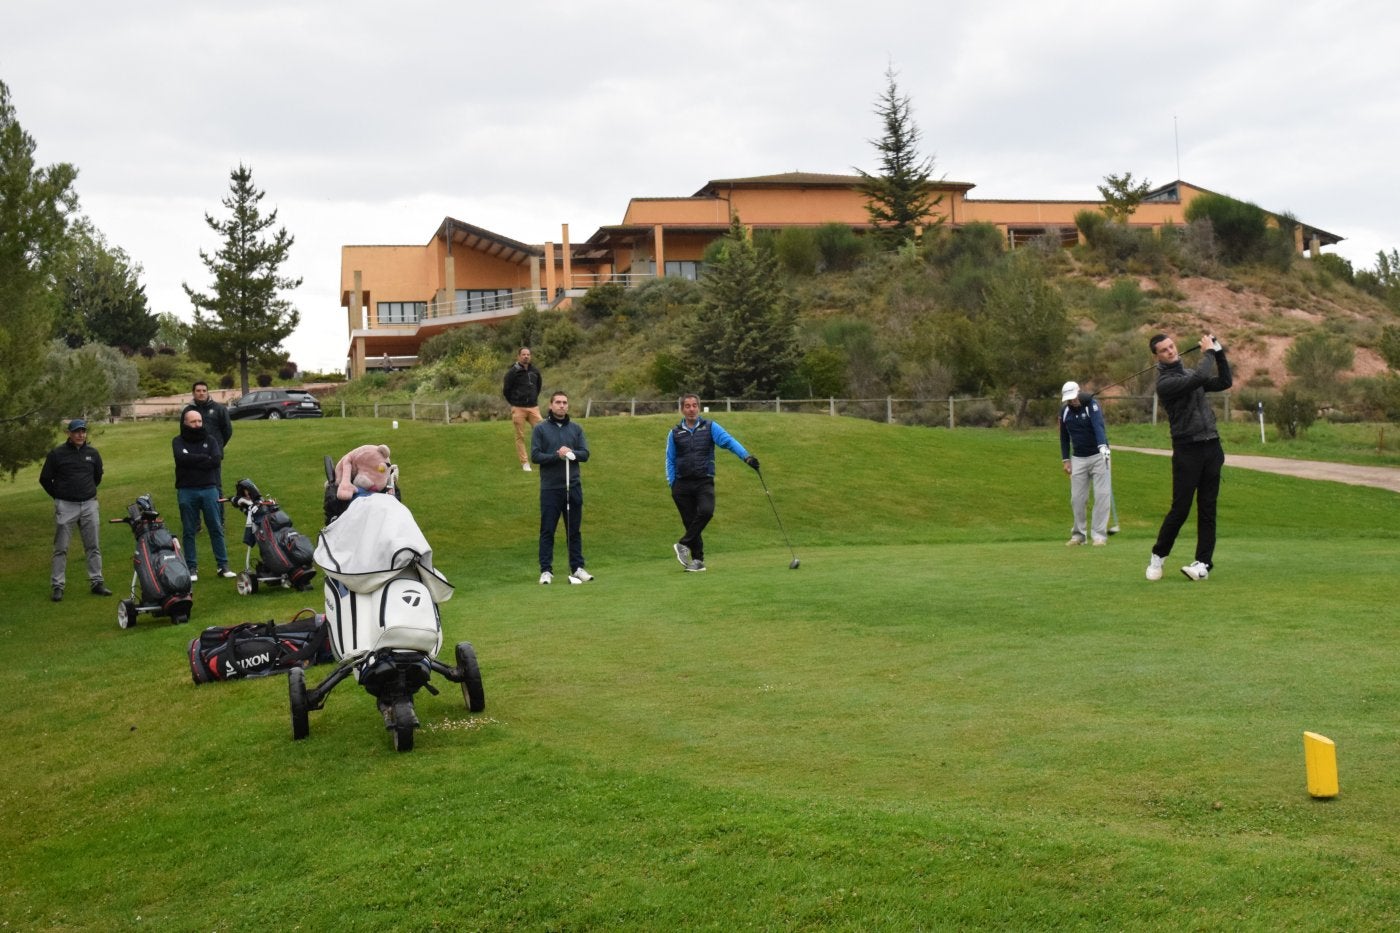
[1337, 267]
[226, 381]
[797, 251]
[264, 380]
[976, 413]
[287, 370]
[1240, 227]
[841, 250]
[1293, 413]
[602, 301]
[1317, 359]
[980, 244]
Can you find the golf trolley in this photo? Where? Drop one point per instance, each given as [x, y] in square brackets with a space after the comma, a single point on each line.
[160, 581]
[382, 597]
[284, 554]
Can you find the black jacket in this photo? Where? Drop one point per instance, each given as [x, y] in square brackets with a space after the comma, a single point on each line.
[198, 463]
[215, 417]
[1183, 393]
[522, 385]
[72, 473]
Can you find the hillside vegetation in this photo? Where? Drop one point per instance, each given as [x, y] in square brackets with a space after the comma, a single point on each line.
[959, 316]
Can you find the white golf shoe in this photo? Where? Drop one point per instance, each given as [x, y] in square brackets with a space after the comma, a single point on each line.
[1154, 567]
[546, 577]
[1074, 541]
[580, 575]
[1196, 570]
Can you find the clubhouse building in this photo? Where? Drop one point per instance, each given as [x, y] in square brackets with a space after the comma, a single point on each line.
[396, 297]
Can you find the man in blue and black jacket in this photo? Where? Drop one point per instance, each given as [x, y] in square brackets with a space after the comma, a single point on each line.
[1084, 453]
[690, 472]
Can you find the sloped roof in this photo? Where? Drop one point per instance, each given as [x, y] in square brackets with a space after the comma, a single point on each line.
[478, 238]
[1171, 192]
[803, 180]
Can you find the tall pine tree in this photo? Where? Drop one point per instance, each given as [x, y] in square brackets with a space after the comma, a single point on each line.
[247, 320]
[744, 342]
[901, 197]
[34, 207]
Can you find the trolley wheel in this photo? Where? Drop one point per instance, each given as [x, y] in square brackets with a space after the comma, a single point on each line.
[198, 672]
[126, 613]
[472, 691]
[405, 722]
[247, 583]
[296, 691]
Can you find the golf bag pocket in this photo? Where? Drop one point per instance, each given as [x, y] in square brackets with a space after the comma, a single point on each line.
[256, 649]
[281, 547]
[159, 567]
[399, 615]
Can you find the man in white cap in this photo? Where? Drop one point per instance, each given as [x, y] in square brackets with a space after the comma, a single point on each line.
[1084, 454]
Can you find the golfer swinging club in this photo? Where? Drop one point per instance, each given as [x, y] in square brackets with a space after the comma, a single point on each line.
[1197, 456]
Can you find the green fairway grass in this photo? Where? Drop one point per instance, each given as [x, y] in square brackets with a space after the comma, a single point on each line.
[945, 719]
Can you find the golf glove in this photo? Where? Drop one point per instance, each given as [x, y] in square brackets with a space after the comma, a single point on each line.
[1215, 344]
[752, 461]
[1103, 449]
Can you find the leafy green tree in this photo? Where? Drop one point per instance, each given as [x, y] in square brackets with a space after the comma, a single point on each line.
[1316, 361]
[172, 332]
[101, 296]
[743, 343]
[1121, 197]
[35, 204]
[1024, 330]
[901, 197]
[247, 320]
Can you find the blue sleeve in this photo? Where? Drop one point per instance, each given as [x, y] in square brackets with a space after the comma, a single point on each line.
[537, 451]
[670, 458]
[1096, 418]
[580, 448]
[726, 440]
[1064, 435]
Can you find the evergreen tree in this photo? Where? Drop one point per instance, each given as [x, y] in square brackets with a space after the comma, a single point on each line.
[901, 197]
[744, 342]
[102, 299]
[247, 320]
[34, 208]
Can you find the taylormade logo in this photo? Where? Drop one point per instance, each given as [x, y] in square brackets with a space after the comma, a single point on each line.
[412, 598]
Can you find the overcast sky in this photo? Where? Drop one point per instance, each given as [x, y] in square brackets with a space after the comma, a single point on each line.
[368, 122]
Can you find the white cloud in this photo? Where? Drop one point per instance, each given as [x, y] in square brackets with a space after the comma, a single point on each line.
[369, 122]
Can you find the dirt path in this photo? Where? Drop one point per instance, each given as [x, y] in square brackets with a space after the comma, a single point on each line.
[1377, 476]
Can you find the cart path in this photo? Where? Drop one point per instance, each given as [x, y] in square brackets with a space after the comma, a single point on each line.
[1380, 477]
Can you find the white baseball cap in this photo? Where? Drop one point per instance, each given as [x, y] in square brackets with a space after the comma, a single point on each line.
[1068, 391]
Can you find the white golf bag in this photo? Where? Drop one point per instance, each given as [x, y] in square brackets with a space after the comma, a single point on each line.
[382, 597]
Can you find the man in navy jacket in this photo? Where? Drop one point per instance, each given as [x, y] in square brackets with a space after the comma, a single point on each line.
[1085, 455]
[559, 447]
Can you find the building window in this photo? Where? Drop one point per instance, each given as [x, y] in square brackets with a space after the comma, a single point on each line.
[400, 312]
[684, 269]
[478, 300]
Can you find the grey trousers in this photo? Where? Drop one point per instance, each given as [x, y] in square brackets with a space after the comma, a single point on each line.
[65, 515]
[1084, 473]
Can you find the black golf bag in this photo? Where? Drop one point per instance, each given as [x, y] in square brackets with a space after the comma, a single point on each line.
[284, 554]
[256, 649]
[161, 576]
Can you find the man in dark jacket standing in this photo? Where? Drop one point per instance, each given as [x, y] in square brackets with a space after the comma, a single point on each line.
[71, 474]
[559, 447]
[215, 415]
[522, 391]
[690, 472]
[1197, 456]
[199, 461]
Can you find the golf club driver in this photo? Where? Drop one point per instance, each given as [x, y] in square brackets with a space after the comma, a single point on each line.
[795, 562]
[568, 508]
[1138, 373]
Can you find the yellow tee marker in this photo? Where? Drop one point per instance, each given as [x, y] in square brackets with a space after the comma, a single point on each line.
[1320, 756]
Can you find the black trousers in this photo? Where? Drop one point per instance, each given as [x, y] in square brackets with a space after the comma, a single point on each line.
[695, 500]
[1195, 474]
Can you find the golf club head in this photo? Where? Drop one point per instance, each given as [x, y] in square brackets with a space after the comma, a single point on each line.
[795, 564]
[575, 580]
